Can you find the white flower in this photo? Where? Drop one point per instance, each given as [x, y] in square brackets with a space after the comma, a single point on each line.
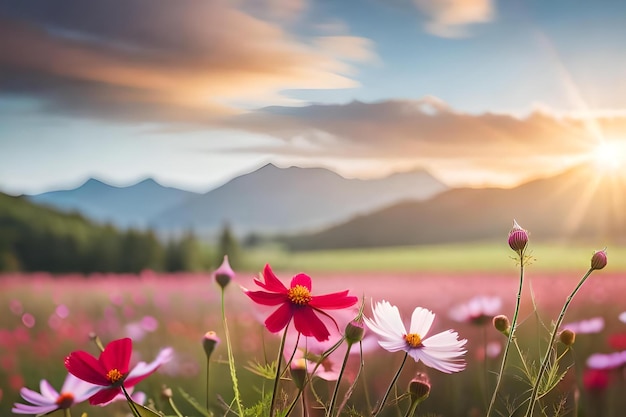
[442, 351]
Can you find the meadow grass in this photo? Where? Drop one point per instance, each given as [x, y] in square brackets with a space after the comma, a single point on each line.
[454, 258]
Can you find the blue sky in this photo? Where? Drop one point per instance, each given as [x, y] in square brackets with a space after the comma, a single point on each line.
[194, 92]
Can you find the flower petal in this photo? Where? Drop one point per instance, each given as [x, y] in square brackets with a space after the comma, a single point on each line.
[279, 318]
[84, 366]
[143, 369]
[421, 321]
[35, 397]
[266, 298]
[116, 355]
[272, 283]
[333, 301]
[47, 390]
[104, 396]
[33, 409]
[301, 279]
[306, 322]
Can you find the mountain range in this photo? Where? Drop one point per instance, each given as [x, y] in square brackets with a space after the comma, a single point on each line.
[267, 200]
[574, 205]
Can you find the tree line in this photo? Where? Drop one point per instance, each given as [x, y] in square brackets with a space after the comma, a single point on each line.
[37, 238]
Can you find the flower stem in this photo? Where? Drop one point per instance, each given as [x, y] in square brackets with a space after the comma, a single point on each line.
[231, 360]
[412, 408]
[353, 386]
[336, 390]
[131, 403]
[546, 358]
[393, 381]
[277, 377]
[176, 410]
[511, 335]
[208, 362]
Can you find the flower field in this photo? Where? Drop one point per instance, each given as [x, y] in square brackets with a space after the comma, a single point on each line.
[43, 318]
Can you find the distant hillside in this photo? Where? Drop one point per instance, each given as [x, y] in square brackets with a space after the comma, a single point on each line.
[273, 199]
[569, 206]
[132, 206]
[39, 238]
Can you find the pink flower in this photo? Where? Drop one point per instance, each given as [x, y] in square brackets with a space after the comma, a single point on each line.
[298, 304]
[74, 391]
[111, 370]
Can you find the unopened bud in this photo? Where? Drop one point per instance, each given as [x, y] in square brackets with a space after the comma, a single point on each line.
[419, 387]
[224, 274]
[166, 393]
[598, 259]
[518, 238]
[502, 324]
[567, 337]
[298, 372]
[209, 341]
[354, 331]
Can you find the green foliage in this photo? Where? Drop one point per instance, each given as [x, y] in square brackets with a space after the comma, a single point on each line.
[37, 238]
[228, 245]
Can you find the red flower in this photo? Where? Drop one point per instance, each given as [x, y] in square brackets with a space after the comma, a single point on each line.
[297, 302]
[110, 370]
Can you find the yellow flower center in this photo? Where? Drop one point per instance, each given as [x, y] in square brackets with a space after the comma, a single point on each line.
[114, 375]
[413, 339]
[299, 295]
[65, 400]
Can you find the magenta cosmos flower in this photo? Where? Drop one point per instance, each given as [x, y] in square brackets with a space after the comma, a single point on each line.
[73, 391]
[297, 302]
[111, 370]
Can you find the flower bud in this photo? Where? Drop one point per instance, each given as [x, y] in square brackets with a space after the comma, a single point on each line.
[298, 372]
[224, 274]
[209, 341]
[166, 393]
[518, 238]
[567, 337]
[502, 324]
[419, 387]
[354, 332]
[598, 259]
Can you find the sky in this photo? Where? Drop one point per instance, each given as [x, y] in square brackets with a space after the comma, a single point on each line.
[195, 92]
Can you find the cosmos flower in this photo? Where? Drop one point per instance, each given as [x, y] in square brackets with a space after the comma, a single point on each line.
[73, 391]
[111, 370]
[479, 310]
[607, 361]
[587, 326]
[298, 304]
[442, 351]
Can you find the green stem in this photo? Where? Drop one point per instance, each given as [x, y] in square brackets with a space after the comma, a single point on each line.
[393, 381]
[131, 403]
[279, 360]
[208, 362]
[176, 410]
[336, 390]
[546, 358]
[413, 407]
[510, 338]
[231, 360]
[356, 379]
[67, 412]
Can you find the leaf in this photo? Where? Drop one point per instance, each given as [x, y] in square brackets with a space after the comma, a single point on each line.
[144, 411]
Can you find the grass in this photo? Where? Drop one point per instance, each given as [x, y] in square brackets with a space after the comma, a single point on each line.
[462, 257]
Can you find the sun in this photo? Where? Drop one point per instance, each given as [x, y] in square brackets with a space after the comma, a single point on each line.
[609, 156]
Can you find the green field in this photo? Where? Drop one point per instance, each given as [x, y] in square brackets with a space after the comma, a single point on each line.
[466, 257]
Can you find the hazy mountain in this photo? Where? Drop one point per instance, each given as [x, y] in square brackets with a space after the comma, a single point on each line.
[128, 206]
[573, 205]
[288, 199]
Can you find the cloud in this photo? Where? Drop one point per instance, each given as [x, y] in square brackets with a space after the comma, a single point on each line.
[428, 131]
[161, 61]
[448, 18]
